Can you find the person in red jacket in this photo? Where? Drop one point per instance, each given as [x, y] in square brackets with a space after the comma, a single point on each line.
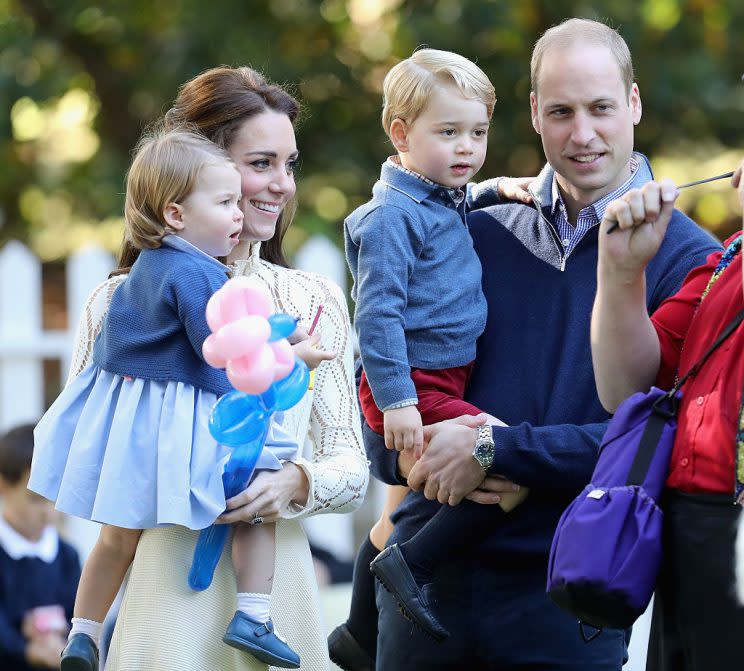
[697, 621]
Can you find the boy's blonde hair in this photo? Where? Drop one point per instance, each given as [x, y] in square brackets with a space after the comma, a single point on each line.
[583, 31]
[164, 170]
[408, 86]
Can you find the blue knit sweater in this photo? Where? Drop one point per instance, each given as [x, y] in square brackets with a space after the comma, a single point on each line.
[534, 369]
[156, 324]
[417, 281]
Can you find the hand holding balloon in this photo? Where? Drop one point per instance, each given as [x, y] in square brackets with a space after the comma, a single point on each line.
[252, 346]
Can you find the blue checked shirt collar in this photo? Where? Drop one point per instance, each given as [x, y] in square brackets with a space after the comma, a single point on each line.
[590, 216]
[415, 185]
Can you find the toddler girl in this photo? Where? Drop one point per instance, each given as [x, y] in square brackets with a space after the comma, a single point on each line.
[126, 443]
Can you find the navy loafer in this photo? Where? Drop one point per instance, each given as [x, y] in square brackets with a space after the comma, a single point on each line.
[392, 571]
[80, 654]
[346, 653]
[259, 640]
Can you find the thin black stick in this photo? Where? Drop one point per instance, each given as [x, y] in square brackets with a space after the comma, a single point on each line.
[684, 186]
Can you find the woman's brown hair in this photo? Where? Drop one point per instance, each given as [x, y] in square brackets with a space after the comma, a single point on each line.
[216, 103]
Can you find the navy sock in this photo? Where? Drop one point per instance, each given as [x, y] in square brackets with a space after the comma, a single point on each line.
[451, 530]
[362, 621]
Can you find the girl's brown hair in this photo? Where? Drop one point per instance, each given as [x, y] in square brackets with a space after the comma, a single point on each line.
[164, 170]
[216, 103]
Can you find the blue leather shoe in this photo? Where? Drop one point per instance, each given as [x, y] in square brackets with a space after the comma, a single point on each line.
[258, 639]
[346, 653]
[80, 654]
[392, 571]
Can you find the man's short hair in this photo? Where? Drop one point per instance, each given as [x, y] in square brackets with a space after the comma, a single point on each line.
[583, 31]
[16, 451]
[408, 86]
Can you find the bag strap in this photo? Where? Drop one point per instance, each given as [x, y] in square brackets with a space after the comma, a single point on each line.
[730, 328]
[665, 407]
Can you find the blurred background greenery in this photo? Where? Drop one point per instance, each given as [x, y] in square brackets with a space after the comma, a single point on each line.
[80, 80]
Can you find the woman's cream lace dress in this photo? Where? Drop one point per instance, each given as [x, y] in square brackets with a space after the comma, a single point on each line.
[163, 625]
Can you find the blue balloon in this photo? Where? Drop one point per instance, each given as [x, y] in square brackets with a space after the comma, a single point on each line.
[237, 418]
[237, 474]
[206, 555]
[242, 422]
[282, 326]
[289, 390]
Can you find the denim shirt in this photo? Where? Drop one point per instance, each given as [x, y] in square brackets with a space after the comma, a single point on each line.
[417, 281]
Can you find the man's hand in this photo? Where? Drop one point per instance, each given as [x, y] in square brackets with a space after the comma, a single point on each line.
[403, 430]
[447, 470]
[406, 460]
[498, 489]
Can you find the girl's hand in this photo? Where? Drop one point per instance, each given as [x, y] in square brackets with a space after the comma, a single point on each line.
[515, 188]
[268, 496]
[310, 353]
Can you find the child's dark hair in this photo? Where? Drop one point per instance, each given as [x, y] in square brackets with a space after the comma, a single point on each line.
[16, 450]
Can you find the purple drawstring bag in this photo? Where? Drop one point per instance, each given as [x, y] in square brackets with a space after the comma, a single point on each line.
[606, 550]
[607, 547]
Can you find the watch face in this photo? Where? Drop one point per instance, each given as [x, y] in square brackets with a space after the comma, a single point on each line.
[484, 454]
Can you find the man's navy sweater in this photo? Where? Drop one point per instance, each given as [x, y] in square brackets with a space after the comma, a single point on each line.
[533, 368]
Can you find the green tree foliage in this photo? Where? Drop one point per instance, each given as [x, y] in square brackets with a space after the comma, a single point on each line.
[82, 79]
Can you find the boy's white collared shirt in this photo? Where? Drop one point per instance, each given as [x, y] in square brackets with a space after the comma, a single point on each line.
[18, 546]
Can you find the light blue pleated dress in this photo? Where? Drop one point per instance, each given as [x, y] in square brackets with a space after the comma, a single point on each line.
[136, 453]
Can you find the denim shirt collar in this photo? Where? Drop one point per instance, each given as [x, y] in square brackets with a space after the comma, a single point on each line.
[177, 242]
[414, 187]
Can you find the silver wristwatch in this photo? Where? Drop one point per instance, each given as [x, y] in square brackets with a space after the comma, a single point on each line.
[484, 447]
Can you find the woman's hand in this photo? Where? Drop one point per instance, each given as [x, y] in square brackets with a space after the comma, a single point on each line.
[641, 216]
[268, 496]
[738, 183]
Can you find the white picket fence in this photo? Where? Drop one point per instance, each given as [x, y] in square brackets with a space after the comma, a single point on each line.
[25, 344]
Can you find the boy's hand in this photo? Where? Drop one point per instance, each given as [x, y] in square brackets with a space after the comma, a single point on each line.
[43, 620]
[310, 353]
[403, 430]
[44, 651]
[515, 188]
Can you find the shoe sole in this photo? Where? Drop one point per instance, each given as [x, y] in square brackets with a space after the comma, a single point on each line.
[73, 664]
[258, 653]
[341, 638]
[404, 610]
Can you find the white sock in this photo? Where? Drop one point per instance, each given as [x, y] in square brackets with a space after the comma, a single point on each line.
[255, 606]
[88, 627]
